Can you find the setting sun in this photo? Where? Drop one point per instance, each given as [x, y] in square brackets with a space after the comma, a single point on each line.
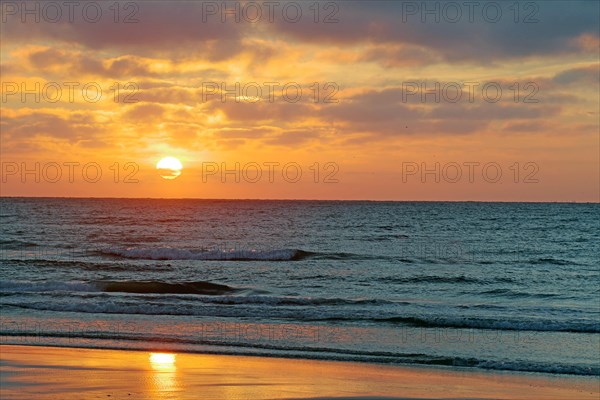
[169, 167]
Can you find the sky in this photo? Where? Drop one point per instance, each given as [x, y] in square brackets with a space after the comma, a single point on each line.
[373, 100]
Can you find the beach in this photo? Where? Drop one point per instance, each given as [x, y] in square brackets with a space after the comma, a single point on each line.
[74, 373]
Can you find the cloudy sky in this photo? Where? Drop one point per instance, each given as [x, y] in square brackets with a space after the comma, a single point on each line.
[372, 100]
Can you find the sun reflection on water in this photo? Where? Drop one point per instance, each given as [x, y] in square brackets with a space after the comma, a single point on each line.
[162, 361]
[164, 372]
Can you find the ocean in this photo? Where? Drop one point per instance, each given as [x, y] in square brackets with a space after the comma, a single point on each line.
[501, 286]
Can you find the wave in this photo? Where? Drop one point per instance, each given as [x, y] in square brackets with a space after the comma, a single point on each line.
[553, 261]
[149, 305]
[140, 287]
[540, 325]
[46, 286]
[382, 238]
[93, 266]
[199, 287]
[442, 279]
[518, 294]
[169, 253]
[15, 244]
[233, 346]
[359, 312]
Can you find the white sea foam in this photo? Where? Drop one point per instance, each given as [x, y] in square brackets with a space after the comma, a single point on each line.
[169, 253]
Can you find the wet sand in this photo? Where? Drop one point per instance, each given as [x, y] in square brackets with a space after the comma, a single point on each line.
[35, 372]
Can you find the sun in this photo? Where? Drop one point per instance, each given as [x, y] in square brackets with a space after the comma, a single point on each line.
[169, 167]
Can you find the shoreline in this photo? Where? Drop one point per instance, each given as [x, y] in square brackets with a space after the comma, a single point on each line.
[290, 356]
[46, 372]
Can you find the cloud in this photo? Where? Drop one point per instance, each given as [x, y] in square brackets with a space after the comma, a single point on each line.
[144, 113]
[243, 133]
[155, 27]
[182, 30]
[261, 110]
[73, 63]
[525, 127]
[391, 56]
[386, 112]
[553, 28]
[296, 137]
[76, 127]
[170, 52]
[584, 75]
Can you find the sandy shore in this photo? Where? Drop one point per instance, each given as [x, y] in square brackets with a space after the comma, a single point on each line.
[29, 372]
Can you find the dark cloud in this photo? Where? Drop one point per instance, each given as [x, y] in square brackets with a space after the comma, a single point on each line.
[53, 60]
[586, 75]
[49, 57]
[182, 30]
[78, 127]
[387, 112]
[492, 111]
[553, 28]
[399, 56]
[155, 27]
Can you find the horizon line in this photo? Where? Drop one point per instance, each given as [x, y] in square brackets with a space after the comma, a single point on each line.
[307, 200]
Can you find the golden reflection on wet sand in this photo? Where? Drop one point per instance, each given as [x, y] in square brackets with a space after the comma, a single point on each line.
[35, 372]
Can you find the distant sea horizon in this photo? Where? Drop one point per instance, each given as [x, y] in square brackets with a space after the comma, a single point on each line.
[299, 199]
